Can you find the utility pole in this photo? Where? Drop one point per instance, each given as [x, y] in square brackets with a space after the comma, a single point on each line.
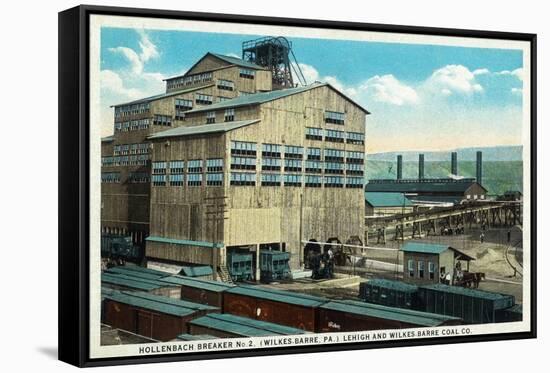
[215, 212]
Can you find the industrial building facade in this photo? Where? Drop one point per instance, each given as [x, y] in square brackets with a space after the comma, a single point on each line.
[232, 165]
[126, 165]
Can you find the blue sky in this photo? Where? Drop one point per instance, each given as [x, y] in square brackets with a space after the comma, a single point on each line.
[422, 97]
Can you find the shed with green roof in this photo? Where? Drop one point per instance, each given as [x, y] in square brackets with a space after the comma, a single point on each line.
[387, 203]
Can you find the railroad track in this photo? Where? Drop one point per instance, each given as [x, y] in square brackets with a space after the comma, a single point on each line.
[518, 266]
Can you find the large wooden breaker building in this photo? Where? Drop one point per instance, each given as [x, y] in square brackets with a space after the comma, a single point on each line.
[126, 167]
[268, 170]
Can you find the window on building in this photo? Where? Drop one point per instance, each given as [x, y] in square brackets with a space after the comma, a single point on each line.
[124, 149]
[314, 153]
[243, 148]
[162, 120]
[313, 133]
[116, 160]
[243, 163]
[421, 268]
[334, 155]
[214, 165]
[214, 179]
[110, 177]
[125, 126]
[271, 150]
[292, 151]
[107, 161]
[124, 160]
[133, 148]
[293, 165]
[211, 117]
[133, 160]
[180, 115]
[335, 117]
[334, 136]
[183, 104]
[334, 168]
[431, 270]
[194, 179]
[143, 159]
[247, 73]
[292, 180]
[243, 178]
[158, 180]
[226, 85]
[354, 182]
[202, 99]
[271, 164]
[354, 169]
[410, 267]
[334, 181]
[159, 168]
[175, 179]
[138, 177]
[134, 125]
[116, 149]
[229, 115]
[313, 181]
[355, 138]
[177, 167]
[314, 166]
[194, 166]
[143, 124]
[355, 157]
[143, 148]
[271, 179]
[118, 126]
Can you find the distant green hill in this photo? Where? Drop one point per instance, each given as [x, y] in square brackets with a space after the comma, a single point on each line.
[498, 176]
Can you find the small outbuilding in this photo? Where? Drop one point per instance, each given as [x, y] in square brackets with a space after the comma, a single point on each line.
[387, 203]
[429, 263]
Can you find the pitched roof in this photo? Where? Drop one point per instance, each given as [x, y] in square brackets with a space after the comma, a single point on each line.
[164, 95]
[425, 185]
[210, 285]
[172, 301]
[108, 138]
[263, 97]
[131, 282]
[196, 271]
[243, 326]
[237, 61]
[137, 300]
[422, 247]
[201, 130]
[176, 241]
[388, 313]
[278, 295]
[387, 199]
[433, 248]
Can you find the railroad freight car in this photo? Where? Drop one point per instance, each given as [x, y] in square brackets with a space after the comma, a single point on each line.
[471, 305]
[349, 316]
[120, 247]
[389, 293]
[152, 316]
[281, 307]
[231, 326]
[124, 281]
[274, 265]
[514, 313]
[207, 292]
[240, 266]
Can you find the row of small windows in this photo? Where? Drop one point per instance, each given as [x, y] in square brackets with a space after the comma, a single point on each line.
[138, 177]
[183, 104]
[110, 177]
[125, 160]
[420, 273]
[162, 120]
[189, 80]
[314, 133]
[128, 110]
[335, 117]
[133, 125]
[203, 99]
[124, 149]
[227, 85]
[315, 181]
[212, 179]
[214, 169]
[243, 148]
[247, 73]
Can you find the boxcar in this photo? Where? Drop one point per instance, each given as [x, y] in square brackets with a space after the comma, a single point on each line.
[231, 326]
[274, 265]
[121, 281]
[152, 316]
[282, 307]
[207, 292]
[514, 313]
[471, 305]
[389, 293]
[349, 316]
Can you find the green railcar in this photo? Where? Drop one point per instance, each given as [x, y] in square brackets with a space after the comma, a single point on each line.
[274, 265]
[240, 266]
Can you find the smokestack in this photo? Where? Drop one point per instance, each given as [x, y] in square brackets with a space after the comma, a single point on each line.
[420, 166]
[399, 167]
[479, 167]
[454, 163]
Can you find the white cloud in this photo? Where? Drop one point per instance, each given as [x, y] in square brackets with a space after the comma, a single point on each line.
[388, 89]
[518, 73]
[453, 79]
[481, 71]
[517, 91]
[133, 58]
[148, 49]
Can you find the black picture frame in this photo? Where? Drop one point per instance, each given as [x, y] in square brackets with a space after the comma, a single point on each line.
[74, 157]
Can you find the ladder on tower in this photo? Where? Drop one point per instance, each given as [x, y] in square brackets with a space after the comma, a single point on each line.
[224, 274]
